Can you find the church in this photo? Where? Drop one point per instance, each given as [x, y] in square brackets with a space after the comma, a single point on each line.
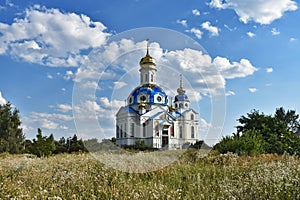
[149, 115]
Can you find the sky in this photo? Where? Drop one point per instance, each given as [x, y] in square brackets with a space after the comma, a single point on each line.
[68, 66]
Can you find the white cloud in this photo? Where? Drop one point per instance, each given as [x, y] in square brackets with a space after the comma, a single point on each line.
[274, 31]
[250, 34]
[198, 33]
[119, 84]
[260, 11]
[269, 70]
[183, 22]
[51, 37]
[230, 93]
[2, 100]
[196, 12]
[69, 74]
[64, 107]
[214, 31]
[49, 76]
[48, 121]
[235, 69]
[293, 39]
[252, 90]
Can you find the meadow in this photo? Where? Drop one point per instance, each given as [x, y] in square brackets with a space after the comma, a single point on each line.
[81, 176]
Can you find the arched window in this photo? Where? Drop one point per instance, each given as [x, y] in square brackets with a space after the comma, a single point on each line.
[132, 129]
[180, 131]
[118, 131]
[121, 131]
[144, 129]
[192, 132]
[192, 116]
[180, 105]
[151, 77]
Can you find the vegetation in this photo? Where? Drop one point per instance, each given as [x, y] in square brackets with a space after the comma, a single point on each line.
[80, 176]
[11, 135]
[259, 133]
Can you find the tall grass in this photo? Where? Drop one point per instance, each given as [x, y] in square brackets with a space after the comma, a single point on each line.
[80, 176]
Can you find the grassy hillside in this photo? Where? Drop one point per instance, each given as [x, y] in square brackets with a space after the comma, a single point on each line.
[80, 176]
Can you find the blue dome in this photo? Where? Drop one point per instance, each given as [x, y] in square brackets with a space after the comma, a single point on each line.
[181, 97]
[148, 94]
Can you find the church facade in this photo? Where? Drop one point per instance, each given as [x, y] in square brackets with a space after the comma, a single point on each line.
[149, 115]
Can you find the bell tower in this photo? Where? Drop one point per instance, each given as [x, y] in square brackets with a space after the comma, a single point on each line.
[147, 69]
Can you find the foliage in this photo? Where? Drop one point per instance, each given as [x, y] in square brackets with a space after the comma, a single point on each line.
[11, 135]
[80, 176]
[92, 145]
[42, 145]
[259, 133]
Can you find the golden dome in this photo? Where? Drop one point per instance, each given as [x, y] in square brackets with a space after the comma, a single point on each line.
[147, 58]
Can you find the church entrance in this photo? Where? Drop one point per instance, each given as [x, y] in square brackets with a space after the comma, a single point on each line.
[165, 139]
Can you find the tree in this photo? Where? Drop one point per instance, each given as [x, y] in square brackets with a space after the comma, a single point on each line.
[11, 135]
[43, 145]
[260, 133]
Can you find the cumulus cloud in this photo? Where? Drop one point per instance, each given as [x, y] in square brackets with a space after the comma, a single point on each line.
[2, 100]
[269, 70]
[250, 34]
[260, 11]
[69, 74]
[230, 93]
[48, 121]
[196, 12]
[183, 22]
[64, 107]
[214, 31]
[252, 90]
[119, 84]
[198, 33]
[51, 37]
[274, 31]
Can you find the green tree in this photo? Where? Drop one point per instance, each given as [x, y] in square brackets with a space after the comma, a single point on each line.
[260, 133]
[43, 145]
[11, 135]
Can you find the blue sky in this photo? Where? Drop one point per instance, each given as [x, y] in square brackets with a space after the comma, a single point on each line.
[45, 46]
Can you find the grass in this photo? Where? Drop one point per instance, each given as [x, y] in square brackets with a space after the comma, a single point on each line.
[81, 176]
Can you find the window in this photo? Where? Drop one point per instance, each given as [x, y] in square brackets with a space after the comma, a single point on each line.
[176, 105]
[143, 98]
[192, 116]
[180, 131]
[125, 130]
[144, 129]
[151, 77]
[180, 105]
[121, 132]
[118, 131]
[186, 105]
[132, 129]
[130, 100]
[159, 98]
[192, 132]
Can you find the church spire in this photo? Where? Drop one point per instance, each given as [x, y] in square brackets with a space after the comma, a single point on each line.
[147, 59]
[148, 68]
[180, 90]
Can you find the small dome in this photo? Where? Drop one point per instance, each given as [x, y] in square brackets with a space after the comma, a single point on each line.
[149, 94]
[147, 59]
[181, 97]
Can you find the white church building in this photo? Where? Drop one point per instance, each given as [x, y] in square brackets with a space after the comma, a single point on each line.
[150, 117]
